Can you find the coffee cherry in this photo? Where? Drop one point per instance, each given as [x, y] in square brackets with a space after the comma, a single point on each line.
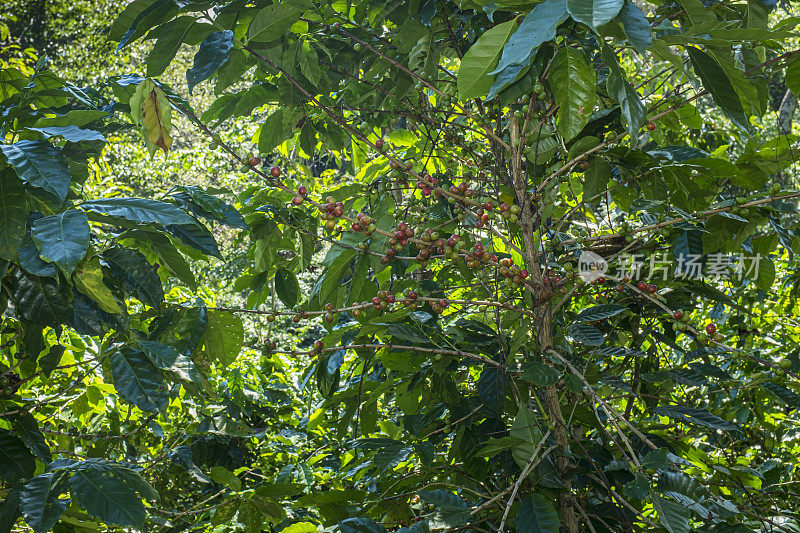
[275, 171]
[254, 161]
[711, 329]
[296, 319]
[302, 191]
[642, 286]
[379, 144]
[677, 315]
[785, 363]
[297, 200]
[651, 126]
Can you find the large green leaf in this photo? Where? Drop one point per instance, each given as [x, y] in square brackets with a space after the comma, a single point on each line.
[136, 276]
[9, 509]
[209, 206]
[196, 236]
[538, 27]
[41, 299]
[716, 81]
[272, 22]
[450, 509]
[600, 312]
[224, 336]
[28, 430]
[537, 515]
[167, 358]
[40, 503]
[62, 238]
[673, 516]
[108, 497]
[636, 26]
[39, 164]
[16, 462]
[630, 104]
[139, 210]
[213, 53]
[573, 80]
[138, 380]
[168, 255]
[699, 417]
[287, 287]
[13, 213]
[275, 129]
[594, 13]
[474, 80]
[169, 41]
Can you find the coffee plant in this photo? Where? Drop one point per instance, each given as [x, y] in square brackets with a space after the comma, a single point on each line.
[544, 250]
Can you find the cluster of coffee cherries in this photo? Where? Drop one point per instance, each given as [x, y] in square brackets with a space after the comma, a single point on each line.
[268, 347]
[402, 233]
[331, 210]
[364, 223]
[513, 274]
[8, 384]
[425, 186]
[316, 349]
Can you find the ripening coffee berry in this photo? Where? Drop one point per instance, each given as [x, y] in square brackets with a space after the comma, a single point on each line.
[651, 126]
[711, 329]
[275, 171]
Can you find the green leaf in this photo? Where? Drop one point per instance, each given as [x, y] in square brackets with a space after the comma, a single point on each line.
[89, 280]
[151, 111]
[273, 131]
[108, 497]
[600, 312]
[136, 276]
[213, 53]
[716, 81]
[13, 214]
[168, 255]
[169, 41]
[674, 516]
[9, 508]
[138, 380]
[474, 80]
[196, 236]
[127, 18]
[594, 13]
[574, 81]
[539, 26]
[272, 22]
[223, 476]
[16, 462]
[167, 358]
[451, 511]
[537, 515]
[28, 430]
[633, 110]
[491, 386]
[62, 239]
[636, 26]
[224, 336]
[41, 299]
[596, 178]
[585, 334]
[210, 207]
[287, 287]
[333, 274]
[40, 503]
[39, 164]
[792, 78]
[698, 417]
[139, 210]
[70, 133]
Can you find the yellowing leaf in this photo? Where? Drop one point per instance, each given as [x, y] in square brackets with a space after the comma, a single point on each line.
[88, 277]
[151, 111]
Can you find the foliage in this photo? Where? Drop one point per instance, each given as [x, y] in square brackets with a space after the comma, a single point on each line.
[455, 163]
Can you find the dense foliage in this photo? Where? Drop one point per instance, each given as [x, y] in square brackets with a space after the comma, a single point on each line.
[551, 257]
